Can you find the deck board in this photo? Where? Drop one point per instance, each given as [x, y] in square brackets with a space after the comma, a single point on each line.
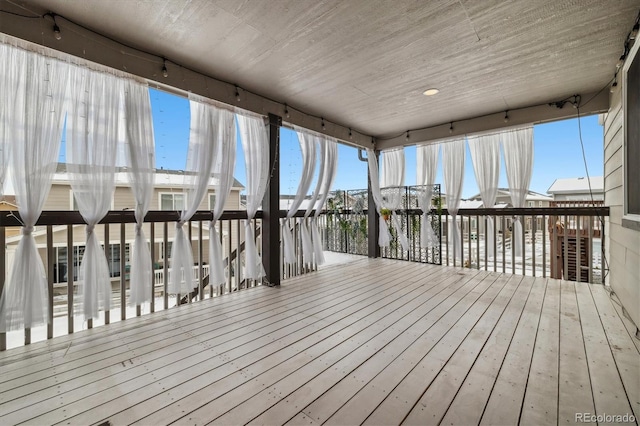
[448, 335]
[622, 345]
[474, 392]
[540, 406]
[338, 383]
[376, 341]
[143, 358]
[167, 373]
[609, 394]
[437, 398]
[574, 392]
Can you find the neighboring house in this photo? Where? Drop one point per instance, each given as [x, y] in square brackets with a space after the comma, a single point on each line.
[503, 198]
[338, 199]
[577, 189]
[168, 195]
[287, 200]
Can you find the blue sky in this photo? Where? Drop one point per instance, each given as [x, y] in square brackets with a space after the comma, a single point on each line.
[556, 146]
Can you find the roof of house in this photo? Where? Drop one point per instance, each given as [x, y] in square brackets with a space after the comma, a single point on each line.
[578, 185]
[9, 200]
[531, 195]
[163, 178]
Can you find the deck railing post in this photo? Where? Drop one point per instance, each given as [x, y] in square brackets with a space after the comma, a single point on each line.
[70, 278]
[271, 207]
[3, 272]
[152, 249]
[123, 275]
[50, 275]
[107, 253]
[373, 228]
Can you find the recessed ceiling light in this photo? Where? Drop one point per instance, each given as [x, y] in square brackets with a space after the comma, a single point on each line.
[431, 92]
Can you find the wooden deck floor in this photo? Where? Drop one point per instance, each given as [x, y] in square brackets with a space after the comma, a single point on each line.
[374, 342]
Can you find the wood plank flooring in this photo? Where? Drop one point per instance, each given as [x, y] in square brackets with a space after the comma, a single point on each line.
[375, 341]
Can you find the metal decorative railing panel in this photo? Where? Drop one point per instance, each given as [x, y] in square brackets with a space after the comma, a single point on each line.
[345, 226]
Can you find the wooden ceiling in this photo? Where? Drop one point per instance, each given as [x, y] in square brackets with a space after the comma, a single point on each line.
[364, 64]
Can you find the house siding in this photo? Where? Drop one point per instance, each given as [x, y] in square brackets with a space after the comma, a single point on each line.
[622, 245]
[60, 199]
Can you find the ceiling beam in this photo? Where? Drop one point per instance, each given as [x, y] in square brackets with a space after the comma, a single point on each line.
[590, 103]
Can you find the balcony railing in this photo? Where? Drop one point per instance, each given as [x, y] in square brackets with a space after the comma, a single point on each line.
[60, 236]
[558, 242]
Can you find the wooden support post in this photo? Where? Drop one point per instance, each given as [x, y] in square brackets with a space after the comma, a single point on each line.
[373, 228]
[271, 207]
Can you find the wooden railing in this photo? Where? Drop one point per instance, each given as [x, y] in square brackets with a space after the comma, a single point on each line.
[60, 235]
[559, 242]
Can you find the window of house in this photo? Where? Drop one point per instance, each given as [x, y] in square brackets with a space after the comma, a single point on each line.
[61, 261]
[212, 201]
[171, 201]
[161, 253]
[631, 165]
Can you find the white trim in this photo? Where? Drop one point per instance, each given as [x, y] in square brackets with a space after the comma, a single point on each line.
[626, 187]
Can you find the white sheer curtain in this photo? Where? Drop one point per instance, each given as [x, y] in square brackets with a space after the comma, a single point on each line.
[453, 170]
[255, 144]
[7, 97]
[328, 166]
[517, 146]
[392, 182]
[384, 238]
[308, 144]
[32, 123]
[140, 158]
[427, 167]
[310, 235]
[93, 135]
[485, 156]
[394, 176]
[223, 167]
[305, 228]
[197, 176]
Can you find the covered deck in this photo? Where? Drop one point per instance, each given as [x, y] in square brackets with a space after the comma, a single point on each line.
[375, 341]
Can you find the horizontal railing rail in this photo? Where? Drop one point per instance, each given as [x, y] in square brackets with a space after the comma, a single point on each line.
[65, 217]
